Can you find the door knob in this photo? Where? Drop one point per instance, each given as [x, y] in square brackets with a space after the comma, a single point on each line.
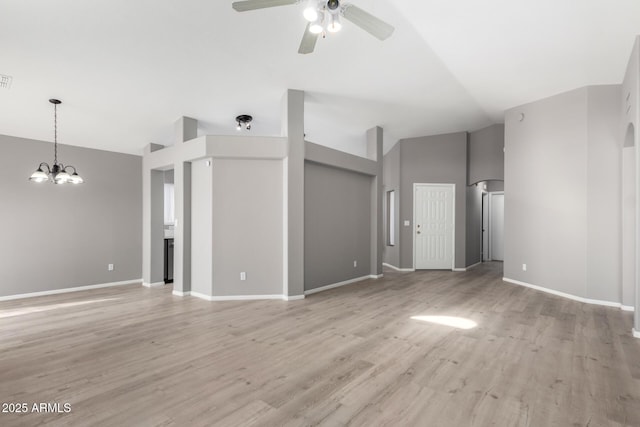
[418, 231]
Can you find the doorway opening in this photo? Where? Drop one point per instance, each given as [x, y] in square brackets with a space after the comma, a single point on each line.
[169, 225]
[493, 226]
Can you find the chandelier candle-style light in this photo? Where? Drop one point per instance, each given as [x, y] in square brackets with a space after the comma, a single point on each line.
[58, 173]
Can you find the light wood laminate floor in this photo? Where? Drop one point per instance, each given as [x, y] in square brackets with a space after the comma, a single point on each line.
[132, 356]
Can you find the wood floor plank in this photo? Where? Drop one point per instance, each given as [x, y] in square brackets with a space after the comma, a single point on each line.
[351, 356]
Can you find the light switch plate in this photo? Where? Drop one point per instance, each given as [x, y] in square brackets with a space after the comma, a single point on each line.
[407, 223]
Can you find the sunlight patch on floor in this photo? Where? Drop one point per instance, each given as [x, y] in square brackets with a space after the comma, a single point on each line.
[40, 308]
[454, 322]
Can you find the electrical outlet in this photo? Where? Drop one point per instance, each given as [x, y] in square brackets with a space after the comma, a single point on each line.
[243, 276]
[355, 263]
[110, 267]
[524, 267]
[407, 223]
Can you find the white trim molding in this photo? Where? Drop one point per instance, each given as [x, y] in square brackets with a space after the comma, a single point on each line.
[393, 267]
[627, 308]
[473, 265]
[243, 297]
[339, 284]
[292, 297]
[636, 333]
[153, 285]
[181, 294]
[566, 295]
[67, 290]
[467, 268]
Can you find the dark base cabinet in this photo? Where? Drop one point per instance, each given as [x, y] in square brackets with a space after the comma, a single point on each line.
[168, 260]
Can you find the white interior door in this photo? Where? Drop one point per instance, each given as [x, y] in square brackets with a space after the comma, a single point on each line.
[433, 226]
[497, 226]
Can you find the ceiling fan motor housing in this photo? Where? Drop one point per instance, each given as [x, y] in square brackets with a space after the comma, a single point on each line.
[333, 5]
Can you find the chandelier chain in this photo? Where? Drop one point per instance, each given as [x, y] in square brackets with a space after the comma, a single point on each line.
[55, 134]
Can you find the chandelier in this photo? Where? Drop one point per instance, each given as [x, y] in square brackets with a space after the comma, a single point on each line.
[58, 173]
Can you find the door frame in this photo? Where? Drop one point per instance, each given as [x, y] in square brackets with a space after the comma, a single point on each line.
[490, 233]
[453, 213]
[484, 200]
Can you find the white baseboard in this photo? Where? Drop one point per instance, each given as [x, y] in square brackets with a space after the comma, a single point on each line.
[238, 297]
[67, 290]
[627, 308]
[376, 276]
[235, 297]
[181, 294]
[565, 295]
[636, 333]
[467, 268]
[153, 285]
[337, 285]
[393, 267]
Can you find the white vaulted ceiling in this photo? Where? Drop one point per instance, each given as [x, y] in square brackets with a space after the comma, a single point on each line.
[126, 70]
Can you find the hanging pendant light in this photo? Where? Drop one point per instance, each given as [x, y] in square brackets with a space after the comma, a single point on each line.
[58, 173]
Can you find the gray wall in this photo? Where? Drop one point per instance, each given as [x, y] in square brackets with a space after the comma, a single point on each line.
[628, 225]
[64, 236]
[604, 198]
[546, 193]
[247, 227]
[562, 172]
[486, 154]
[337, 225]
[391, 178]
[433, 159]
[202, 226]
[630, 105]
[293, 129]
[493, 186]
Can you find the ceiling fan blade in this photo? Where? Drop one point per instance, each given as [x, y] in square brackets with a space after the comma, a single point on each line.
[374, 26]
[243, 6]
[308, 43]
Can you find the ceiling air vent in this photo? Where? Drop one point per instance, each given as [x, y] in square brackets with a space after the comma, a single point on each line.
[5, 81]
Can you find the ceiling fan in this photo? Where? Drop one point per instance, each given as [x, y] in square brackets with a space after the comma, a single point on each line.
[324, 16]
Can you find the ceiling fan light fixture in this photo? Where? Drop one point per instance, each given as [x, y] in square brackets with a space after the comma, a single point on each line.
[311, 11]
[316, 27]
[334, 23]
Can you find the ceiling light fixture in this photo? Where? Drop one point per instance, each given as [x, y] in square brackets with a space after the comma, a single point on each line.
[315, 14]
[334, 23]
[311, 11]
[317, 27]
[243, 120]
[58, 173]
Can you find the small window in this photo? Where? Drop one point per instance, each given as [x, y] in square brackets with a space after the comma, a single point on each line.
[391, 218]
